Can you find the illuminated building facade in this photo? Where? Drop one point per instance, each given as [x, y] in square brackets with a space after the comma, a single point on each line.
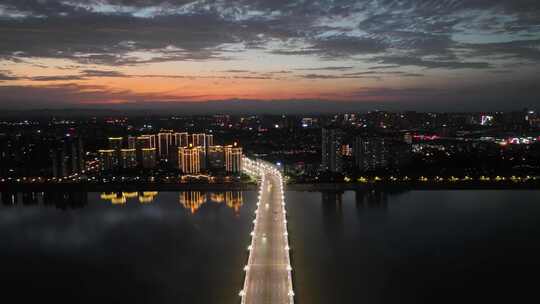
[128, 158]
[148, 158]
[332, 159]
[233, 159]
[132, 142]
[107, 160]
[152, 139]
[115, 143]
[198, 140]
[181, 139]
[216, 157]
[209, 140]
[143, 142]
[189, 159]
[164, 144]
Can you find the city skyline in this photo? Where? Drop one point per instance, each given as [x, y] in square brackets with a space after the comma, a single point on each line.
[270, 56]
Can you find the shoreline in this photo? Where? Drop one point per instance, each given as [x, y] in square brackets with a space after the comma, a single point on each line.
[308, 187]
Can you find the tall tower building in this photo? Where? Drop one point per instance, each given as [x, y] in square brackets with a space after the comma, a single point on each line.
[209, 140]
[132, 142]
[164, 144]
[67, 156]
[115, 143]
[216, 157]
[107, 160]
[128, 158]
[189, 159]
[143, 142]
[152, 139]
[371, 153]
[332, 140]
[199, 140]
[181, 139]
[233, 159]
[149, 158]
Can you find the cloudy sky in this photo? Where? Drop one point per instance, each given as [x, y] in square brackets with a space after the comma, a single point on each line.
[408, 54]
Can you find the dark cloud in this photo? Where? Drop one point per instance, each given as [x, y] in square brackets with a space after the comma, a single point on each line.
[100, 73]
[518, 49]
[328, 68]
[196, 30]
[431, 64]
[391, 35]
[344, 76]
[6, 76]
[57, 78]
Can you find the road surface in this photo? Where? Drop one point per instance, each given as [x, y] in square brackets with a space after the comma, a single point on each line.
[268, 271]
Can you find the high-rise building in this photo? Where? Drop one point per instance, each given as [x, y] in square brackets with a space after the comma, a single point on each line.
[233, 159]
[199, 140]
[189, 159]
[128, 158]
[332, 140]
[379, 153]
[209, 140]
[143, 142]
[181, 139]
[152, 139]
[132, 142]
[67, 157]
[371, 153]
[149, 158]
[107, 160]
[115, 143]
[216, 157]
[164, 144]
[407, 138]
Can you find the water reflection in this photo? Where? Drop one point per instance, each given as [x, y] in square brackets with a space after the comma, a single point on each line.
[60, 200]
[193, 200]
[333, 200]
[121, 198]
[190, 200]
[371, 199]
[147, 243]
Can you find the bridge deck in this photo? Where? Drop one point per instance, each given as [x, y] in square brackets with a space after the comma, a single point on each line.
[268, 272]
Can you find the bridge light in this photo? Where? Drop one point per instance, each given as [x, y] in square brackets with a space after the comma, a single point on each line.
[289, 268]
[246, 268]
[287, 248]
[242, 293]
[291, 293]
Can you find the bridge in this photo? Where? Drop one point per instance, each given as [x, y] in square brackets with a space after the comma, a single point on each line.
[268, 270]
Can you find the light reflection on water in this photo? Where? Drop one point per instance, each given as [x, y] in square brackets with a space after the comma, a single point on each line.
[351, 247]
[125, 247]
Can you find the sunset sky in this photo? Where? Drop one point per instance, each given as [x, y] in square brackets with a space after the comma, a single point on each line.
[410, 54]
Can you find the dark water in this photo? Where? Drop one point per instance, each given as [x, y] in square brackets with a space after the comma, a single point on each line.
[416, 247]
[97, 252]
[411, 247]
